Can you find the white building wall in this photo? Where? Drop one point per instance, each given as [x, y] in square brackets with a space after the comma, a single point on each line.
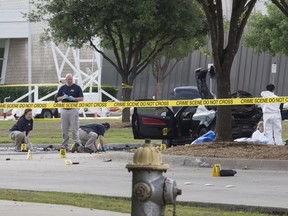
[17, 69]
[260, 6]
[227, 7]
[12, 24]
[15, 27]
[15, 4]
[12, 21]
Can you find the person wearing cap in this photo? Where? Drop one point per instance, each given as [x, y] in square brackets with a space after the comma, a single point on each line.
[88, 134]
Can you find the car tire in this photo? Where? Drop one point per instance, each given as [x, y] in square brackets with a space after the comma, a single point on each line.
[168, 143]
[202, 131]
[56, 113]
[46, 113]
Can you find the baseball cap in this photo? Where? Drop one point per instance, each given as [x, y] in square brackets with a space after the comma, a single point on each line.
[106, 125]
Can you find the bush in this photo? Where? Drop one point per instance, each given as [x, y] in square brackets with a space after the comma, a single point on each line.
[13, 92]
[16, 92]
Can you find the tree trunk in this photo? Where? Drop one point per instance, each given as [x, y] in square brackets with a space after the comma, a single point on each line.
[158, 90]
[159, 84]
[126, 111]
[159, 71]
[223, 116]
[223, 56]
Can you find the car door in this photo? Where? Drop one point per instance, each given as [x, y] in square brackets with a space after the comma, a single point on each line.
[194, 121]
[153, 123]
[187, 125]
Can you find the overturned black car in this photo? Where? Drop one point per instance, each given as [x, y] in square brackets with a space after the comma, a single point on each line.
[188, 123]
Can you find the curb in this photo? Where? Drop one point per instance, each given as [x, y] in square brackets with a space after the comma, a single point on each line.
[121, 152]
[200, 162]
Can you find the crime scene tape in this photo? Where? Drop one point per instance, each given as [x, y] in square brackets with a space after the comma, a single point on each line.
[126, 86]
[149, 103]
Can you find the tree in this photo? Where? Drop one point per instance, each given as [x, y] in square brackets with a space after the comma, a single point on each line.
[171, 55]
[224, 52]
[125, 27]
[282, 6]
[268, 32]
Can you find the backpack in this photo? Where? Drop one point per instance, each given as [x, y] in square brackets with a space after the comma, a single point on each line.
[227, 172]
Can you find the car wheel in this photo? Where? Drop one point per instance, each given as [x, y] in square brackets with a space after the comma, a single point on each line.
[167, 142]
[203, 131]
[46, 113]
[56, 114]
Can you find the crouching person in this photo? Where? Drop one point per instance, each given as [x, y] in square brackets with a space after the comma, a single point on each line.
[88, 135]
[21, 131]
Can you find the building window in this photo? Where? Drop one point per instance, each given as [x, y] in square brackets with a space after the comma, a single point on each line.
[4, 44]
[2, 51]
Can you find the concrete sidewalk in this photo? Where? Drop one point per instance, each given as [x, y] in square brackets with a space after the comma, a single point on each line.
[13, 208]
[257, 183]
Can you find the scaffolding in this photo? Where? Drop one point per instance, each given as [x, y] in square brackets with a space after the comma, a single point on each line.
[87, 77]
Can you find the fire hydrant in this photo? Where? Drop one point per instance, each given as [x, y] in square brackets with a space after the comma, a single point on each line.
[151, 191]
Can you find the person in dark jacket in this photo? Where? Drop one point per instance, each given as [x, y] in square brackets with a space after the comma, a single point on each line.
[21, 131]
[69, 93]
[88, 135]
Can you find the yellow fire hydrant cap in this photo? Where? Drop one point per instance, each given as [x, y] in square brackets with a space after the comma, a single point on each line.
[147, 157]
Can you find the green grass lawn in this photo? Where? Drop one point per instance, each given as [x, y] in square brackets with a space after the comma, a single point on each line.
[48, 131]
[112, 204]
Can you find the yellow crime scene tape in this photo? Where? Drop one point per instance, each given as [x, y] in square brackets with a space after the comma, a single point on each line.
[126, 86]
[150, 103]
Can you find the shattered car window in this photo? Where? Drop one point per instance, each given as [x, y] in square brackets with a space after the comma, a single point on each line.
[161, 111]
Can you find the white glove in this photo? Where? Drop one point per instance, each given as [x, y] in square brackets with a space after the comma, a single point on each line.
[71, 98]
[65, 96]
[28, 145]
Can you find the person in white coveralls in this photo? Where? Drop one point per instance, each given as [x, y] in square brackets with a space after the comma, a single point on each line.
[272, 118]
[259, 134]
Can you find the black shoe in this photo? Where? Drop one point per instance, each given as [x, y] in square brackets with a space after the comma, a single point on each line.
[82, 149]
[87, 150]
[75, 147]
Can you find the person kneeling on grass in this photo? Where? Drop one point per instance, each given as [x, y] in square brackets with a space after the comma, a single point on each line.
[88, 134]
[21, 131]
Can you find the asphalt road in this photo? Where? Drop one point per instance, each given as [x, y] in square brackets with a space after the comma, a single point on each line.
[105, 174]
